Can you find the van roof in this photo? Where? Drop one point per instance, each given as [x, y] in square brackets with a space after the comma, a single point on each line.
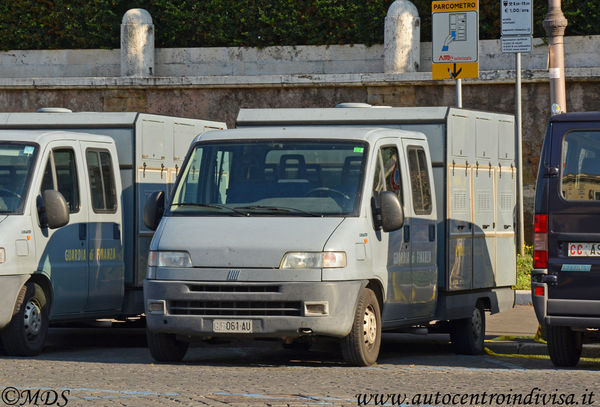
[366, 116]
[44, 136]
[576, 117]
[63, 120]
[369, 134]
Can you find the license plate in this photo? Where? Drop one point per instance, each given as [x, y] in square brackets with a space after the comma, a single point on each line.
[243, 326]
[584, 249]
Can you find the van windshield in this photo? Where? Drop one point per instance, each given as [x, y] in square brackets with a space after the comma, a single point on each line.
[272, 178]
[16, 161]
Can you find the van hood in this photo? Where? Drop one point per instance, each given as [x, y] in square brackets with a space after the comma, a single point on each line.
[244, 242]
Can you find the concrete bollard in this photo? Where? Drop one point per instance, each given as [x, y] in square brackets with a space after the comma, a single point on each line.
[402, 38]
[137, 43]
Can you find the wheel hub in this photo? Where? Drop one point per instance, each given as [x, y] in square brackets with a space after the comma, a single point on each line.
[32, 319]
[370, 326]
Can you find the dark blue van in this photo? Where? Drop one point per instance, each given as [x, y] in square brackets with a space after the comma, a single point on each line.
[566, 271]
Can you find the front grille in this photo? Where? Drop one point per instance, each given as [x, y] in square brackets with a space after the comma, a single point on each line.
[235, 308]
[233, 288]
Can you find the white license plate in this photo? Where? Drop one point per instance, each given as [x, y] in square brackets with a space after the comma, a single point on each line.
[243, 326]
[584, 249]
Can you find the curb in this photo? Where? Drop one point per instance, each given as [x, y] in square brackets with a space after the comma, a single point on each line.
[531, 348]
[523, 297]
[516, 347]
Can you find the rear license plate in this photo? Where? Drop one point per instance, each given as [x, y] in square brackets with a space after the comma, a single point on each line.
[243, 326]
[584, 249]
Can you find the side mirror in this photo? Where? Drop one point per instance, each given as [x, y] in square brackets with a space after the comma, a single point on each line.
[56, 209]
[392, 214]
[153, 209]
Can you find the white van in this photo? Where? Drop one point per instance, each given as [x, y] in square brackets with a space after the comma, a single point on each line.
[336, 222]
[71, 235]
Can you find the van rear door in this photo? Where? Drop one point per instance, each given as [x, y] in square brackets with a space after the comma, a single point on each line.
[574, 214]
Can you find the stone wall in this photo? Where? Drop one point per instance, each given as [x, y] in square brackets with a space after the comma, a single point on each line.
[89, 81]
[306, 60]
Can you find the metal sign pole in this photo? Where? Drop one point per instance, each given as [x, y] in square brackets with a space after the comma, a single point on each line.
[519, 132]
[459, 93]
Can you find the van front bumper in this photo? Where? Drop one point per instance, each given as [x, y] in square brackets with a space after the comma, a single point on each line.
[559, 312]
[276, 309]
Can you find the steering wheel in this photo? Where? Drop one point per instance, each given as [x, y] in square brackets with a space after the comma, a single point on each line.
[9, 192]
[325, 191]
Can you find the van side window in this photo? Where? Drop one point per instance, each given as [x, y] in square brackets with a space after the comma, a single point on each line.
[388, 178]
[419, 180]
[102, 181]
[48, 180]
[61, 174]
[581, 166]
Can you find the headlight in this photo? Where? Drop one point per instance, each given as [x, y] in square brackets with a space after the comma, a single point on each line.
[2, 255]
[313, 260]
[169, 259]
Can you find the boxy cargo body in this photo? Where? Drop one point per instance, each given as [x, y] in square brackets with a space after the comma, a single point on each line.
[104, 165]
[566, 269]
[298, 240]
[475, 175]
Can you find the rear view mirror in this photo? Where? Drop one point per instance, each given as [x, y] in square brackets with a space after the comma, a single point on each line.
[153, 209]
[56, 209]
[392, 214]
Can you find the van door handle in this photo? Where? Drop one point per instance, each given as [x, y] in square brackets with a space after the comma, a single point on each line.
[82, 231]
[486, 226]
[406, 233]
[507, 226]
[431, 233]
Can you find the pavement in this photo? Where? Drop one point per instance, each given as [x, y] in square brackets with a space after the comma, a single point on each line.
[513, 332]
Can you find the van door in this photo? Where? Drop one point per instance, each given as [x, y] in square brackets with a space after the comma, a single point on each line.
[422, 232]
[573, 208]
[106, 267]
[64, 257]
[393, 249]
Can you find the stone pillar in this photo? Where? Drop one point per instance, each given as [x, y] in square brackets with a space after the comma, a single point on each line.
[137, 43]
[402, 38]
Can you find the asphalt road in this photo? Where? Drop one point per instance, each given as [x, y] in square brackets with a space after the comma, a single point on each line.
[101, 367]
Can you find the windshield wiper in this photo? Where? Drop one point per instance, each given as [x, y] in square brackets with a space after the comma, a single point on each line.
[215, 206]
[280, 209]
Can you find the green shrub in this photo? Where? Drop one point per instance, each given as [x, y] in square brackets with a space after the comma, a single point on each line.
[524, 266]
[59, 24]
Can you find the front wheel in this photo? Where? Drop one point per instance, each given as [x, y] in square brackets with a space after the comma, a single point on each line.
[564, 345]
[361, 346]
[165, 347]
[467, 334]
[26, 333]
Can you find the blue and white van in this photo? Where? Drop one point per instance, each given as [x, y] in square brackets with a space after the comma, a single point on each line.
[343, 223]
[73, 245]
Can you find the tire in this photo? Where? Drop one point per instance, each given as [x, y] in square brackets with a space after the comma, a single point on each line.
[361, 346]
[166, 347]
[25, 335]
[564, 345]
[467, 335]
